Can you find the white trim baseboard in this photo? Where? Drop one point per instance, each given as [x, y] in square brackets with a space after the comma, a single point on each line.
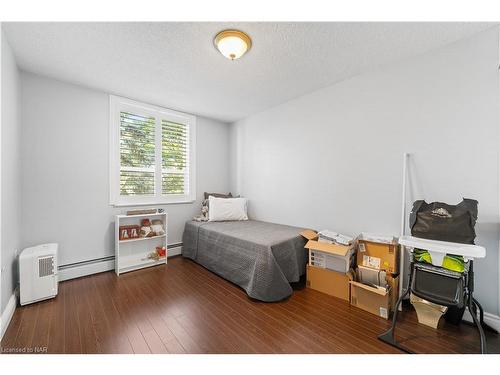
[7, 314]
[107, 264]
[491, 319]
[81, 270]
[172, 252]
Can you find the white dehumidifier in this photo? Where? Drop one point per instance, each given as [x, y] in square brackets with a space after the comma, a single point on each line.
[38, 273]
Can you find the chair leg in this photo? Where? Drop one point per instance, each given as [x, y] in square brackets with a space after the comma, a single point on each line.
[481, 317]
[388, 336]
[482, 337]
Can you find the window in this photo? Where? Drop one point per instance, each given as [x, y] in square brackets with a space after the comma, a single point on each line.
[152, 159]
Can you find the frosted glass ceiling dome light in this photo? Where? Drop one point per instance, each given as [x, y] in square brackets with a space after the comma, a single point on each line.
[232, 43]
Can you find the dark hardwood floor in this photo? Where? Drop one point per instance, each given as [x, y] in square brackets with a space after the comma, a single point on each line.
[184, 308]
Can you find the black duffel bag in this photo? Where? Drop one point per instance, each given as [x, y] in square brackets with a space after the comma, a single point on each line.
[443, 222]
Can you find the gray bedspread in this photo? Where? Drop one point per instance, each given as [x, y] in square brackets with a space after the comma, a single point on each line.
[262, 258]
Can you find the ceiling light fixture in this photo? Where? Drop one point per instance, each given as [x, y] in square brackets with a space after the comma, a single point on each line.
[232, 43]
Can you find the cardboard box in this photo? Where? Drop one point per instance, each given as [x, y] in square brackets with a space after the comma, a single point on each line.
[309, 234]
[393, 282]
[331, 262]
[378, 255]
[335, 284]
[379, 301]
[331, 256]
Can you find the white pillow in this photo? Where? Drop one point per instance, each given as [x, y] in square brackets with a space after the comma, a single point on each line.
[227, 209]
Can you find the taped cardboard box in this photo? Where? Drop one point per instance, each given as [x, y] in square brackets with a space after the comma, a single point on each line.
[378, 255]
[333, 283]
[376, 300]
[330, 256]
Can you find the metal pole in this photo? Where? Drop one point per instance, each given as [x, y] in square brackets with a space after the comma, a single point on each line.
[403, 224]
[403, 195]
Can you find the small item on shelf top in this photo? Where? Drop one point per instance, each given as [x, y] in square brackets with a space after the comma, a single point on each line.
[142, 211]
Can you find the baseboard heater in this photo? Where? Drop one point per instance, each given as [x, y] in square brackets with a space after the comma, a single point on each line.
[93, 266]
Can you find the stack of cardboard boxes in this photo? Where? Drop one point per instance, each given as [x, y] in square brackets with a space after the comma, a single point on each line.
[330, 266]
[364, 272]
[376, 288]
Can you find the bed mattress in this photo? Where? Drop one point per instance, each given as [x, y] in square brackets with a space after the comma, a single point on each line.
[262, 258]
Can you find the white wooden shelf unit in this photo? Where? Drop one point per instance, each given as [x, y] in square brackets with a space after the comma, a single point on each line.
[131, 255]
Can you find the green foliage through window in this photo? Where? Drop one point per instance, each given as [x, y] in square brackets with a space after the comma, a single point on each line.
[174, 149]
[137, 156]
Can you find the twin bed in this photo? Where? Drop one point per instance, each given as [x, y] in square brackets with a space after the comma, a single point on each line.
[262, 258]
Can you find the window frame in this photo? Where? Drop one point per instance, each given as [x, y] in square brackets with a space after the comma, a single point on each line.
[118, 104]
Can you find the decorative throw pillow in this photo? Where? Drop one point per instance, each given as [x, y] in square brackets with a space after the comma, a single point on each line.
[227, 209]
[217, 195]
[204, 204]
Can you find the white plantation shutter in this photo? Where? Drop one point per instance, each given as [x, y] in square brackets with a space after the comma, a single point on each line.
[137, 154]
[175, 158]
[152, 154]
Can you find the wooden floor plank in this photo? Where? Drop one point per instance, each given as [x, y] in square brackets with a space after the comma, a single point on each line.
[129, 328]
[40, 340]
[57, 322]
[196, 317]
[183, 308]
[73, 343]
[233, 298]
[266, 325]
[142, 312]
[111, 322]
[207, 311]
[27, 328]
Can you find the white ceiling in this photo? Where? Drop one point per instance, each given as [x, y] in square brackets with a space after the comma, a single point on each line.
[175, 64]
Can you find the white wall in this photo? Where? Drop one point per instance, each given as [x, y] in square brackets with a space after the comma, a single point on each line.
[65, 178]
[333, 158]
[10, 167]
